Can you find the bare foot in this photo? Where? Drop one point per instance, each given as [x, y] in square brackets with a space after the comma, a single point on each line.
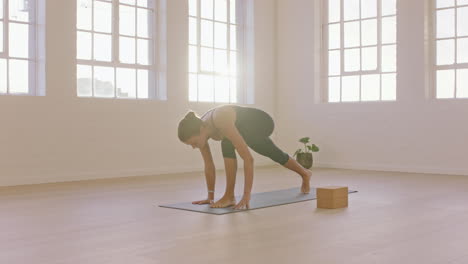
[224, 202]
[305, 188]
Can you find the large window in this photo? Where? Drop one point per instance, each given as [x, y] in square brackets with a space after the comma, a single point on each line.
[18, 48]
[213, 50]
[115, 48]
[451, 45]
[360, 50]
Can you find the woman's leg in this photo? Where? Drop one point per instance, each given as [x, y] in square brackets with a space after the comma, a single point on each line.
[230, 165]
[266, 147]
[293, 165]
[228, 198]
[256, 128]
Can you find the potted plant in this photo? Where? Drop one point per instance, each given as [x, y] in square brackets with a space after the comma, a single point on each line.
[304, 156]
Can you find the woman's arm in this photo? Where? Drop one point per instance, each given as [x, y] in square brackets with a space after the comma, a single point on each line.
[210, 171]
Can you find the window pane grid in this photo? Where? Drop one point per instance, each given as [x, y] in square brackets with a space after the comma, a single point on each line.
[361, 50]
[109, 50]
[17, 48]
[133, 5]
[451, 56]
[212, 51]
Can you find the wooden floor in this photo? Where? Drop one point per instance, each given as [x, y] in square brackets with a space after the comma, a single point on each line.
[395, 218]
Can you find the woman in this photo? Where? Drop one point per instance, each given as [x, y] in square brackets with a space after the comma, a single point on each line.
[237, 127]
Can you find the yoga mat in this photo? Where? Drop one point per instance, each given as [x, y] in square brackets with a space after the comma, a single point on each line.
[257, 201]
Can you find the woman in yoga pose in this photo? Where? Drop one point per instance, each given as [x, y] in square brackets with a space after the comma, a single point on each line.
[237, 127]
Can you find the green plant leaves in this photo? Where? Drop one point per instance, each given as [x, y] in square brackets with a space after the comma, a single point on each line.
[314, 148]
[307, 147]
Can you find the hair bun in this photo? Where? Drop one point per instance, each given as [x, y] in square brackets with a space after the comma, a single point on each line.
[190, 115]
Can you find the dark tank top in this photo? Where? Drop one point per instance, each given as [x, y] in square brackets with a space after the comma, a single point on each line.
[248, 120]
[236, 109]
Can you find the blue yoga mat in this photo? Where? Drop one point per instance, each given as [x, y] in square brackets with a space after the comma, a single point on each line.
[257, 201]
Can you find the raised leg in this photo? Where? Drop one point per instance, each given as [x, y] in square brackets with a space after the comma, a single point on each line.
[293, 165]
[266, 147]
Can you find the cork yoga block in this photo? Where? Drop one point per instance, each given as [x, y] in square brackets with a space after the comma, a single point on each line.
[332, 197]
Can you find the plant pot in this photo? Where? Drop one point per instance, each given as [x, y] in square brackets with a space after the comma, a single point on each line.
[305, 159]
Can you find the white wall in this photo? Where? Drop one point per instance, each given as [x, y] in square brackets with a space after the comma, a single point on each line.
[414, 134]
[62, 138]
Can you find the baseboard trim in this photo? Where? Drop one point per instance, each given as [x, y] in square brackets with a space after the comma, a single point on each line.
[100, 175]
[382, 167]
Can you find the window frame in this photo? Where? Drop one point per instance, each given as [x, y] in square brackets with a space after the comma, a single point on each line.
[324, 58]
[433, 68]
[241, 81]
[36, 48]
[154, 49]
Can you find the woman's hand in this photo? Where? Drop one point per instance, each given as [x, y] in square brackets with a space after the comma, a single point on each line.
[243, 204]
[206, 201]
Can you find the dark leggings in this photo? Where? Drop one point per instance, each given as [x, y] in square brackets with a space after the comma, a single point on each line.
[255, 126]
